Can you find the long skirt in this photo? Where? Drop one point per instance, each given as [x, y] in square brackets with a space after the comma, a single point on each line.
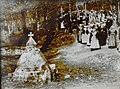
[79, 37]
[94, 43]
[84, 38]
[112, 41]
[88, 40]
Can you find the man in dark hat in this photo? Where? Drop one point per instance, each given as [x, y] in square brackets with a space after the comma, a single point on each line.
[67, 23]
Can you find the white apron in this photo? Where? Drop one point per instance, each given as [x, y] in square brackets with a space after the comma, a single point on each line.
[80, 36]
[94, 41]
[84, 37]
[112, 39]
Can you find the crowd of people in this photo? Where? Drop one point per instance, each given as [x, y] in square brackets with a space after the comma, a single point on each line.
[94, 28]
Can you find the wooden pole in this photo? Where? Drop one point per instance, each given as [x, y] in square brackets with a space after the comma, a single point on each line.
[85, 8]
[70, 9]
[102, 4]
[118, 13]
[61, 10]
[47, 65]
[78, 12]
[8, 28]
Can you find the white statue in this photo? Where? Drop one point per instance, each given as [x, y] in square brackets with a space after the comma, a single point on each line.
[31, 66]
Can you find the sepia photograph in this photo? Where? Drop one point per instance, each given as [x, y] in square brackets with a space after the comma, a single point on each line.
[60, 44]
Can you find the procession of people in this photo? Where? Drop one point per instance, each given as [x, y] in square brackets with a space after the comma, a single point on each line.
[94, 28]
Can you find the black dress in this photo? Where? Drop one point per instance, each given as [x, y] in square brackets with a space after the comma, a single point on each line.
[102, 36]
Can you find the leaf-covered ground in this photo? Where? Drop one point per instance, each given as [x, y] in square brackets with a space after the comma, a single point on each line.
[74, 61]
[61, 39]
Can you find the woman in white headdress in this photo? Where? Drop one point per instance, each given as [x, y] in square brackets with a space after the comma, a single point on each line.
[88, 35]
[114, 20]
[94, 40]
[103, 17]
[112, 37]
[99, 17]
[79, 36]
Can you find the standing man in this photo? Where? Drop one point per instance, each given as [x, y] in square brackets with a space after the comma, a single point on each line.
[103, 35]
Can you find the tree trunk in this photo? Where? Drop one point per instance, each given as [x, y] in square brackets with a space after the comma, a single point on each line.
[23, 20]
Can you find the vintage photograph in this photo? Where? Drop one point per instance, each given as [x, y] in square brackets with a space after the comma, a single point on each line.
[60, 44]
